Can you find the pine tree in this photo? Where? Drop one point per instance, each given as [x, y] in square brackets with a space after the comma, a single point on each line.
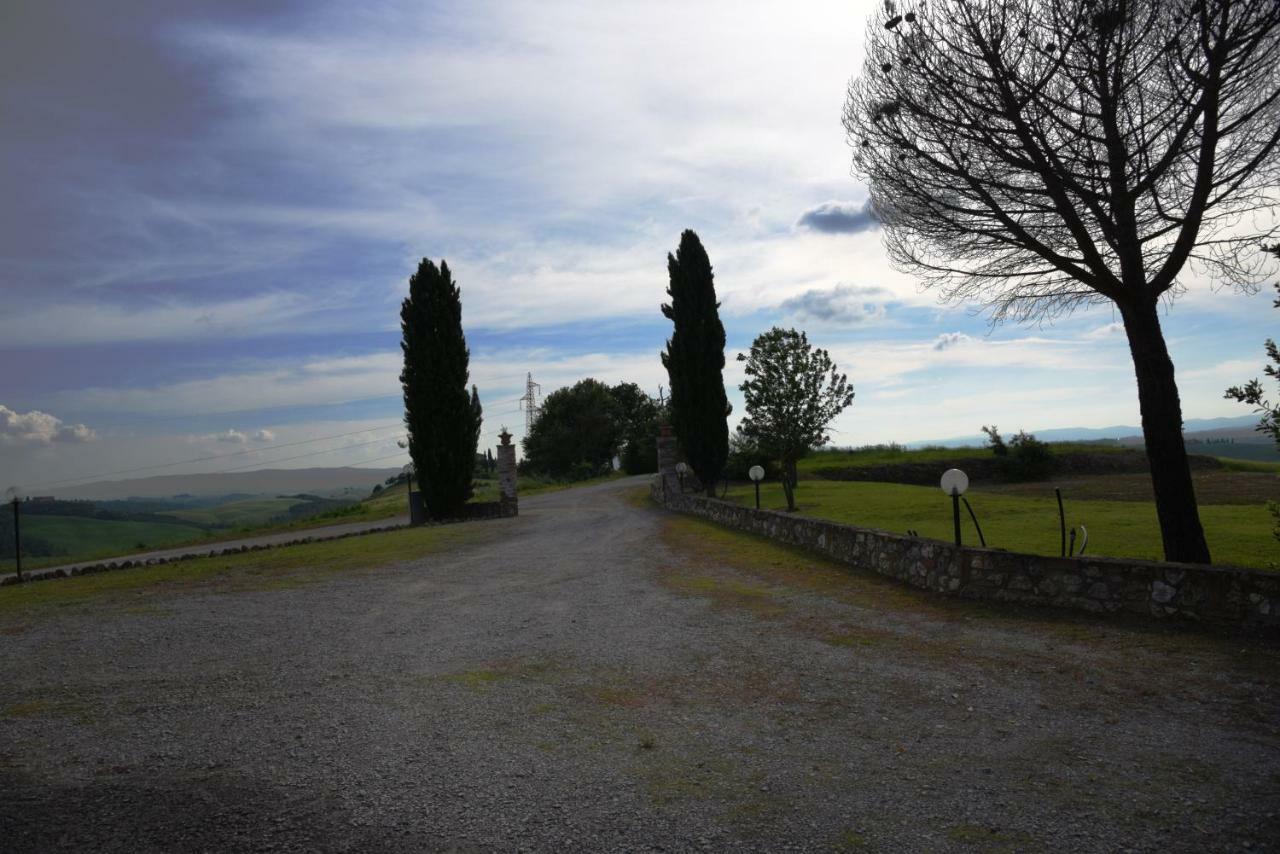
[694, 360]
[442, 419]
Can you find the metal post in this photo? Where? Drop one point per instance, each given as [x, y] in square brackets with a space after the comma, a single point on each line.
[17, 539]
[955, 512]
[974, 517]
[1062, 520]
[757, 495]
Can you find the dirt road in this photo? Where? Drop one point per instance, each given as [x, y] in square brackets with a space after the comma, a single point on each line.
[597, 675]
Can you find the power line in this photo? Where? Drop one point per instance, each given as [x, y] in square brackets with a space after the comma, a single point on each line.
[302, 456]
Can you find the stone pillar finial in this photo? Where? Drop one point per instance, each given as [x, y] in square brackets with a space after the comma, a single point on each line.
[505, 436]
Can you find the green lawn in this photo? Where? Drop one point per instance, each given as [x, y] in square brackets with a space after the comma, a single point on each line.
[1237, 534]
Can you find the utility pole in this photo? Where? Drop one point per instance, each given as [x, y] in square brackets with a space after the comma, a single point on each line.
[529, 403]
[17, 539]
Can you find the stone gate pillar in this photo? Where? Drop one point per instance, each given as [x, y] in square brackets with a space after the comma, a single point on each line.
[507, 473]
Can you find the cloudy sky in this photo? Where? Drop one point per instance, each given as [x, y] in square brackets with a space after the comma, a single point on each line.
[211, 210]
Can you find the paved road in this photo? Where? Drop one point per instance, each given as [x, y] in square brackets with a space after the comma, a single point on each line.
[596, 675]
[327, 532]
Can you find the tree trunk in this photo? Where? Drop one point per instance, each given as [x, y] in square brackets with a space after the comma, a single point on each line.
[789, 483]
[1162, 431]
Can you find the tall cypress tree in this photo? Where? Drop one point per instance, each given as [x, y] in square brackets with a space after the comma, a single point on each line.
[694, 360]
[443, 419]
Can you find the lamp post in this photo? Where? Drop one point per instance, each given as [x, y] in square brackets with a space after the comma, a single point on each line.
[756, 473]
[954, 483]
[681, 468]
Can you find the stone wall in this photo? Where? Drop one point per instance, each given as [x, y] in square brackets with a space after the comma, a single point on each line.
[485, 510]
[1224, 598]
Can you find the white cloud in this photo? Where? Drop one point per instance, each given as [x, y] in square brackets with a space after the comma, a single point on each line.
[949, 340]
[39, 428]
[170, 320]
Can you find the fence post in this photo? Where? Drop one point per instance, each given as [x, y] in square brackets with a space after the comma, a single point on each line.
[17, 539]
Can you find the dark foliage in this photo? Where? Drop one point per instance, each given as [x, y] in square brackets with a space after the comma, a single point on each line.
[1028, 459]
[442, 418]
[694, 360]
[581, 428]
[994, 441]
[577, 433]
[639, 416]
[1039, 155]
[744, 453]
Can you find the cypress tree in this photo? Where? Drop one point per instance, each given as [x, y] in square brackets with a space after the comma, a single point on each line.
[477, 416]
[694, 360]
[442, 418]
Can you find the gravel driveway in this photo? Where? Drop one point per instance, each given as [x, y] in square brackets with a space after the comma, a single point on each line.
[597, 675]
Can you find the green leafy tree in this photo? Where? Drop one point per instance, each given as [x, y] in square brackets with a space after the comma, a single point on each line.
[638, 426]
[793, 392]
[1037, 156]
[1252, 393]
[443, 420]
[694, 360]
[577, 432]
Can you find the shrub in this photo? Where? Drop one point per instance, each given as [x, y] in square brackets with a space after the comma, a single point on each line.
[1027, 458]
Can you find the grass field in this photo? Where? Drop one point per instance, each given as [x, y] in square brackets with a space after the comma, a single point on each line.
[84, 538]
[272, 569]
[874, 455]
[1238, 534]
[235, 514]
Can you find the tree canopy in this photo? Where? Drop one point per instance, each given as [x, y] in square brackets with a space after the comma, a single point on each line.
[694, 360]
[582, 427]
[792, 392]
[442, 417]
[1035, 156]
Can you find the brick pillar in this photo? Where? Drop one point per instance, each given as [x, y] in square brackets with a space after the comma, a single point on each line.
[507, 472]
[667, 460]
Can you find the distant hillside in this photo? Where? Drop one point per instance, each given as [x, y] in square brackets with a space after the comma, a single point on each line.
[1239, 428]
[328, 482]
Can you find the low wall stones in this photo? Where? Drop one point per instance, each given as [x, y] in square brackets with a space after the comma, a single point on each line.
[1220, 597]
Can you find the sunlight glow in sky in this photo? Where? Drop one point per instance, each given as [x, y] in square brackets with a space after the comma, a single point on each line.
[212, 209]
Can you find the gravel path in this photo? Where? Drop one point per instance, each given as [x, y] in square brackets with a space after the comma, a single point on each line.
[597, 675]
